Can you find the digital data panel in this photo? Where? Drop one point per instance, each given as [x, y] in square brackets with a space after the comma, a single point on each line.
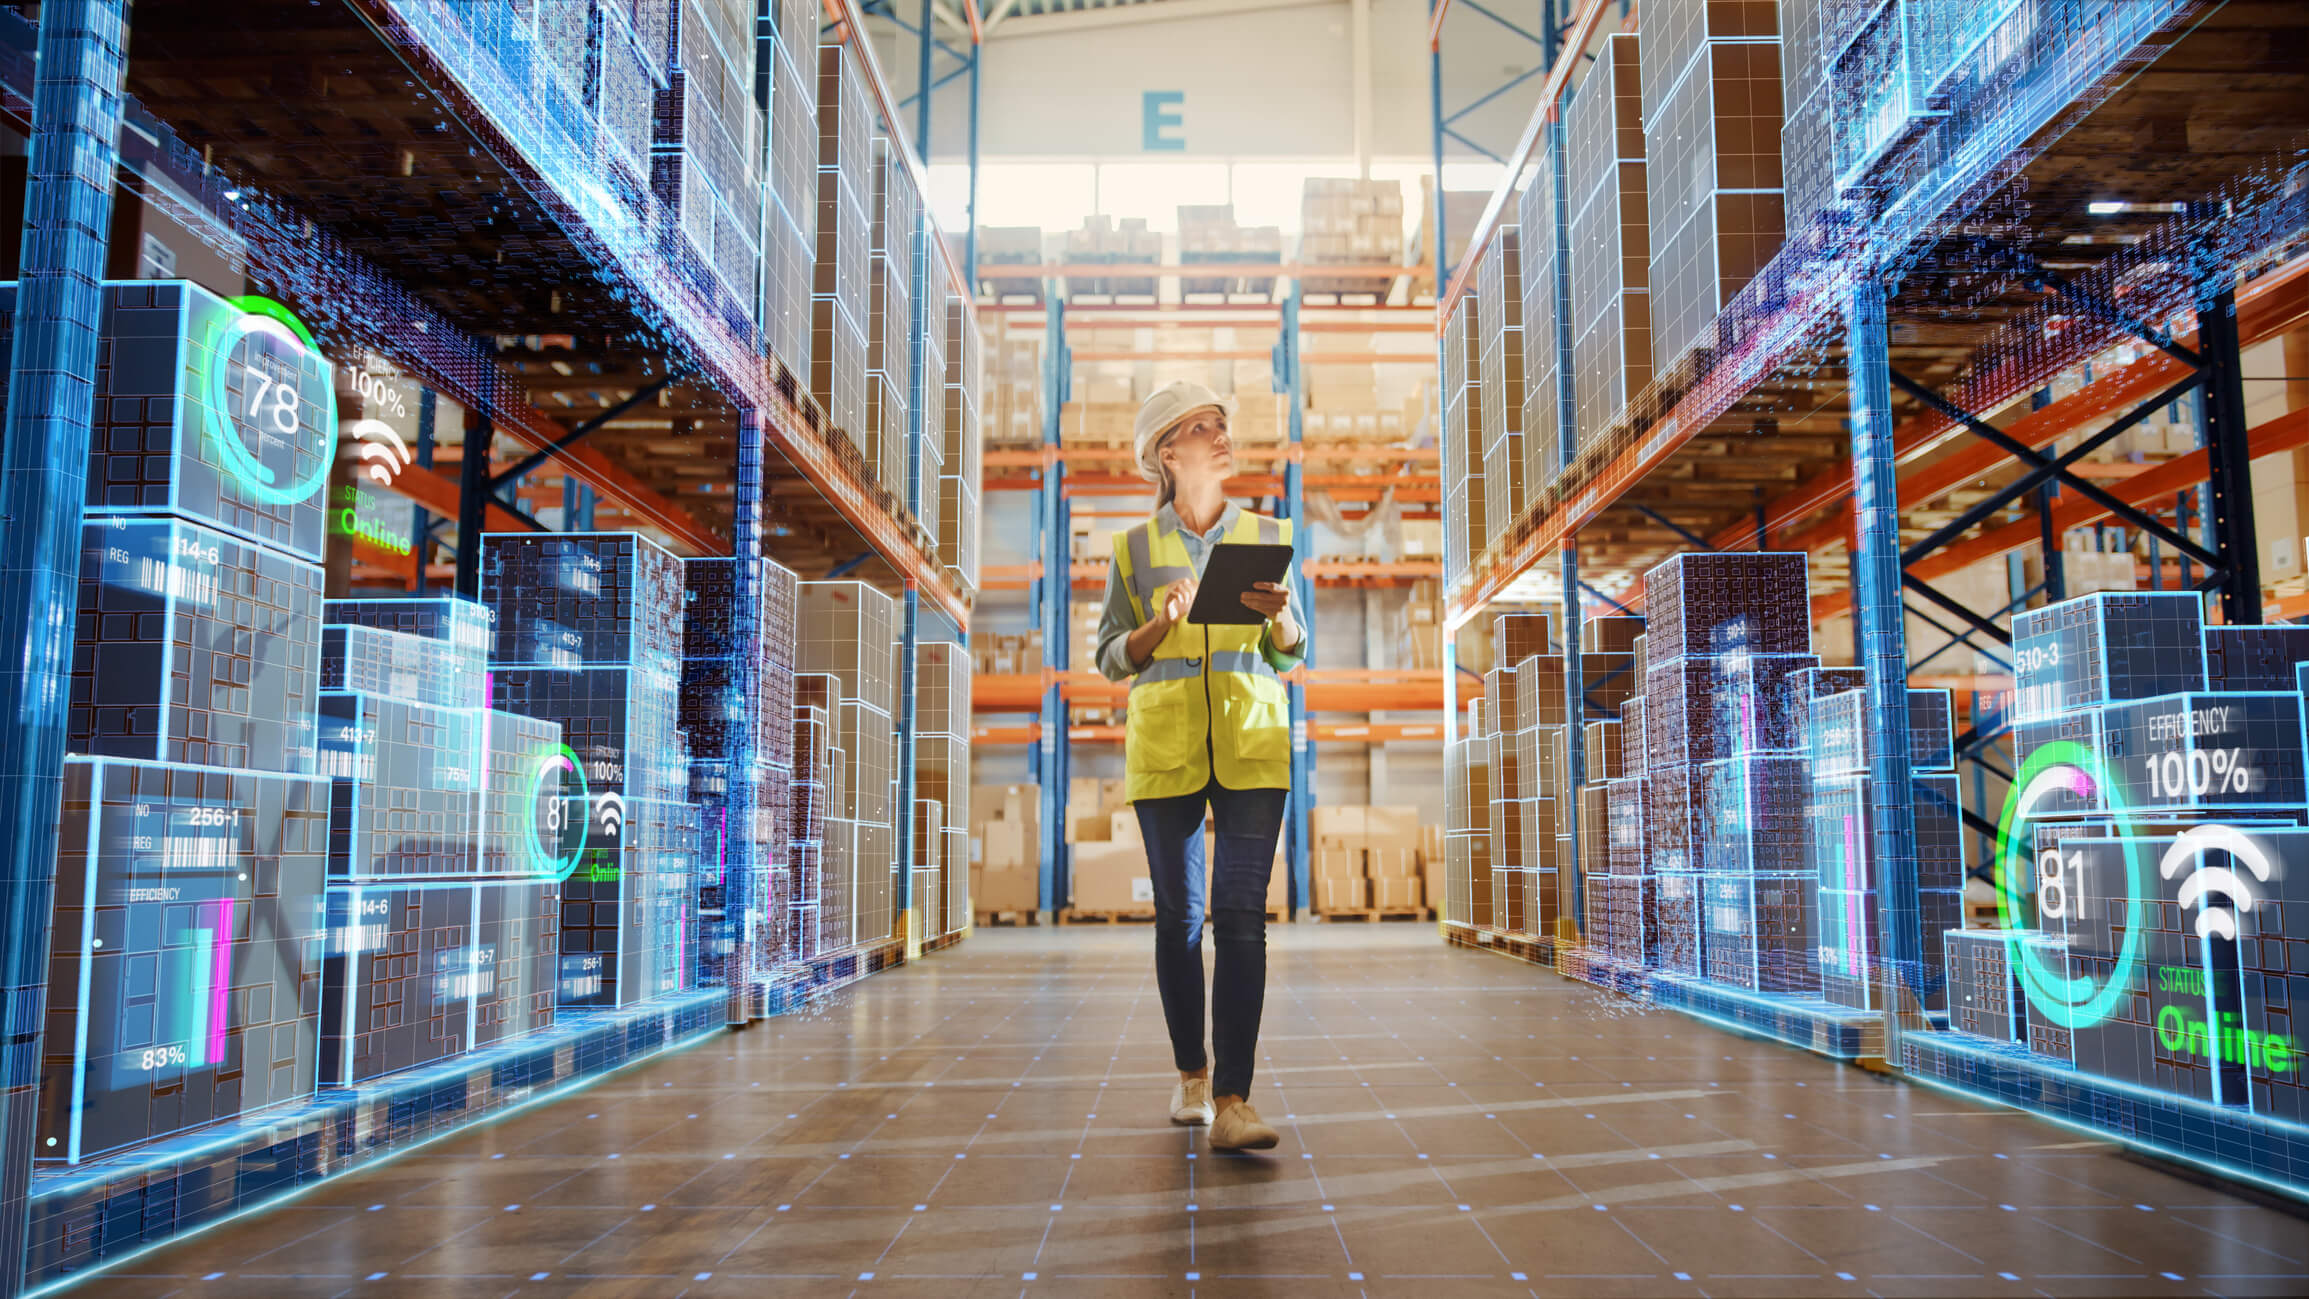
[186, 976]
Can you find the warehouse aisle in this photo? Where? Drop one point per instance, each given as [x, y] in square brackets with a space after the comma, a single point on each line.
[989, 1122]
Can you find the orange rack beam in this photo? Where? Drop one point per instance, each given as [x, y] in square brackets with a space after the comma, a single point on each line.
[1321, 732]
[1163, 270]
[1332, 690]
[1090, 574]
[2266, 308]
[2154, 483]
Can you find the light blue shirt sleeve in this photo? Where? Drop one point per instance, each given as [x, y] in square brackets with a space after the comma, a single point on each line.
[1115, 624]
[1284, 660]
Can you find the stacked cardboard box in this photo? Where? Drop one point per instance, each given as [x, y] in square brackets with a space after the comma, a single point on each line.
[1463, 208]
[1467, 824]
[1506, 483]
[194, 774]
[1466, 496]
[1209, 236]
[1104, 240]
[707, 160]
[588, 635]
[1540, 214]
[839, 290]
[1350, 222]
[1843, 847]
[1610, 240]
[924, 451]
[1014, 384]
[847, 658]
[786, 79]
[1005, 848]
[1104, 421]
[896, 212]
[1526, 695]
[998, 655]
[941, 886]
[961, 459]
[738, 715]
[1711, 101]
[1723, 631]
[1367, 858]
[1010, 246]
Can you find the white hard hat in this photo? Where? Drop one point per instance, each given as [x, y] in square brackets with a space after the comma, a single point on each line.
[1161, 411]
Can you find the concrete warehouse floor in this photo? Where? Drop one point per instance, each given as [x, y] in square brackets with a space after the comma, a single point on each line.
[991, 1121]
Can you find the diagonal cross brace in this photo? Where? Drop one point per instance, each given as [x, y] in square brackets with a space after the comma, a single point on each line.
[2029, 456]
[2092, 303]
[535, 458]
[1672, 526]
[2029, 481]
[1934, 594]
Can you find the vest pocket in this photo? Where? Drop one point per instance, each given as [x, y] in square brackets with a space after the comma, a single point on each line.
[1161, 731]
[1260, 717]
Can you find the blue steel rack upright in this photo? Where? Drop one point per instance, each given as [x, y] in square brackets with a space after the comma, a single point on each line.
[1051, 593]
[51, 403]
[1289, 366]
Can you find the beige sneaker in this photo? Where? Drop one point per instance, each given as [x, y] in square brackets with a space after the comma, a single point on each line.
[1191, 1101]
[1238, 1127]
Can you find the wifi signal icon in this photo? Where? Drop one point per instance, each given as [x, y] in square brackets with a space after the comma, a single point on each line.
[610, 808]
[2205, 882]
[382, 453]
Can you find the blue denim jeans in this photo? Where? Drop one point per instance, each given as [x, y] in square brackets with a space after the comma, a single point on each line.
[1245, 825]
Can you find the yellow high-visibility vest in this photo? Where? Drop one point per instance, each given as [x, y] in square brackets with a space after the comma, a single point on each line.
[1208, 702]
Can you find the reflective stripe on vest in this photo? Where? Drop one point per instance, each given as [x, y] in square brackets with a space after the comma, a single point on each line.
[1173, 670]
[1242, 661]
[1146, 579]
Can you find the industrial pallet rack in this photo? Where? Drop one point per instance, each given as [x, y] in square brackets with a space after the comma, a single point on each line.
[1977, 239]
[605, 368]
[1058, 475]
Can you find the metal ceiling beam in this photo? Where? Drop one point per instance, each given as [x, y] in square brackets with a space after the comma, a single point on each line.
[1016, 25]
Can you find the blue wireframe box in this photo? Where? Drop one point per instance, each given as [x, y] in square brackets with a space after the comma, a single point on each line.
[372, 661]
[2205, 751]
[2105, 648]
[1723, 603]
[1676, 943]
[1754, 815]
[421, 972]
[185, 979]
[1759, 932]
[2256, 657]
[460, 627]
[1837, 728]
[568, 600]
[212, 413]
[1984, 992]
[194, 646]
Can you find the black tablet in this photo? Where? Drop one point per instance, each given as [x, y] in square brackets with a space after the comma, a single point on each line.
[1234, 568]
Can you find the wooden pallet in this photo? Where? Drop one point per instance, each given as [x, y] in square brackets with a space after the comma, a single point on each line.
[1072, 916]
[1007, 919]
[1373, 915]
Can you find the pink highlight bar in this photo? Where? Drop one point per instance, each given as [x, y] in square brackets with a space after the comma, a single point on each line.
[1852, 940]
[220, 982]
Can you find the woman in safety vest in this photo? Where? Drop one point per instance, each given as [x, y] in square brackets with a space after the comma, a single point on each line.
[1209, 725]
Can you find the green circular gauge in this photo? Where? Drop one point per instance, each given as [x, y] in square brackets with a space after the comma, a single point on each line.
[550, 819]
[2064, 767]
[257, 414]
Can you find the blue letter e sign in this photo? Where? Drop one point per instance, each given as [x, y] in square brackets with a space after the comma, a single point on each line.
[1162, 110]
